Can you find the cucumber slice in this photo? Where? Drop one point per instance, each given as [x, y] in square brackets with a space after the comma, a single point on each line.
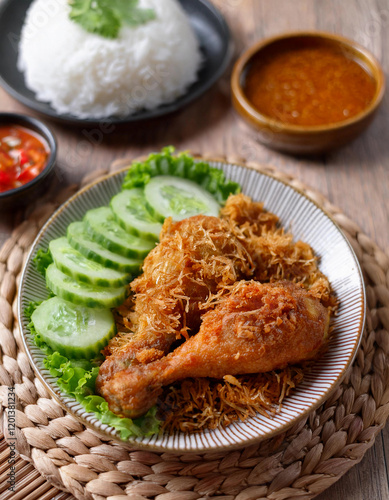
[103, 228]
[82, 293]
[81, 241]
[130, 209]
[74, 264]
[179, 198]
[73, 331]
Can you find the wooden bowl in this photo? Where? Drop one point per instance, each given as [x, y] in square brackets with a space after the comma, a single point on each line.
[305, 139]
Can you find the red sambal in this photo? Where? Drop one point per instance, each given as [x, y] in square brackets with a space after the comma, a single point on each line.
[309, 85]
[23, 156]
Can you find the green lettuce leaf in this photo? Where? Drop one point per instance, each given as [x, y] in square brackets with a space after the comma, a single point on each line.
[42, 260]
[30, 309]
[181, 165]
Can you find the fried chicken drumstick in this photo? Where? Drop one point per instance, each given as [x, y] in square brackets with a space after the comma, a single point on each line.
[257, 328]
[190, 280]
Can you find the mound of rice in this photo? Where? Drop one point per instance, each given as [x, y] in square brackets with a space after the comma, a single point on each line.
[89, 76]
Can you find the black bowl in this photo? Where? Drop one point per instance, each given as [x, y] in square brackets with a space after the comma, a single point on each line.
[22, 195]
[207, 22]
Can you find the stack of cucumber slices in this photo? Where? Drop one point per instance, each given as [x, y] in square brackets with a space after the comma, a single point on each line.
[92, 265]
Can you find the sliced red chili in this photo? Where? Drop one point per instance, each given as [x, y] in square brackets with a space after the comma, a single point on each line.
[28, 175]
[23, 158]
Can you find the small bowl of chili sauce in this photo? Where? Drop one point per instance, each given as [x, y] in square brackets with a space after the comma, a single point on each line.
[307, 92]
[27, 157]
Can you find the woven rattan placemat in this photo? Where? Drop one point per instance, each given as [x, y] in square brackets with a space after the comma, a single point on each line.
[297, 464]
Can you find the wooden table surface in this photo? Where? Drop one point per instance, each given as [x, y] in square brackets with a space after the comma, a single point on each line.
[355, 178]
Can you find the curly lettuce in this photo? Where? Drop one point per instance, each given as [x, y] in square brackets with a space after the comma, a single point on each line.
[42, 260]
[181, 165]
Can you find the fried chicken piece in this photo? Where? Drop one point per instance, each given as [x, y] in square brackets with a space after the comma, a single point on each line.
[257, 328]
[247, 216]
[275, 254]
[196, 259]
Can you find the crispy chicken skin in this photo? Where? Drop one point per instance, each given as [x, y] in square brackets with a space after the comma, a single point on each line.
[196, 277]
[274, 253]
[195, 259]
[256, 328]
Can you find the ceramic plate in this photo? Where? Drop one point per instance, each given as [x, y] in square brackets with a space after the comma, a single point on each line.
[307, 222]
[209, 25]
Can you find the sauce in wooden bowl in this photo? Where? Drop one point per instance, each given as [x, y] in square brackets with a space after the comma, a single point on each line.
[308, 84]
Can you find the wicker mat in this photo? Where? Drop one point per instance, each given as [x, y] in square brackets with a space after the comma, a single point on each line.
[56, 451]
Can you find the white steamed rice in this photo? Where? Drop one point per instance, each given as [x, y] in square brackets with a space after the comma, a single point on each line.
[90, 76]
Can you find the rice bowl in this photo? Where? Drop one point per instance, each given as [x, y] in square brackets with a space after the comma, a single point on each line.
[90, 76]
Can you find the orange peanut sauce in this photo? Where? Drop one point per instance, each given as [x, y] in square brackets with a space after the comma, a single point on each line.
[308, 85]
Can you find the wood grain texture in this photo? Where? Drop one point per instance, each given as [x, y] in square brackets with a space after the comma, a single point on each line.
[355, 178]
